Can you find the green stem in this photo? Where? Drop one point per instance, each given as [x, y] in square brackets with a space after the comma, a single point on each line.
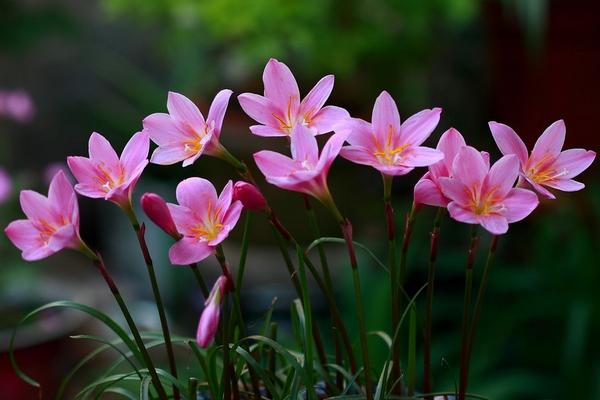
[200, 280]
[308, 355]
[462, 389]
[99, 264]
[227, 384]
[140, 233]
[346, 227]
[433, 252]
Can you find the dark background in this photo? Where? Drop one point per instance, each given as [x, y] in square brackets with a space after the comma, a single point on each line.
[104, 65]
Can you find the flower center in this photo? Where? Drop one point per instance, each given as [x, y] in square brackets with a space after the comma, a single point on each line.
[484, 205]
[46, 230]
[389, 154]
[542, 170]
[287, 121]
[210, 227]
[107, 180]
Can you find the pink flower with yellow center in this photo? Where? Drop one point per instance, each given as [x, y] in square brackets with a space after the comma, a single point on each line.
[203, 219]
[389, 146]
[183, 134]
[280, 109]
[52, 222]
[547, 165]
[104, 174]
[482, 195]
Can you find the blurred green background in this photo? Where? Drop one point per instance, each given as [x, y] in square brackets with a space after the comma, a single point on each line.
[104, 65]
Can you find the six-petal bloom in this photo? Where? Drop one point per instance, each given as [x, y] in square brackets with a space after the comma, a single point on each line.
[306, 171]
[104, 174]
[388, 146]
[183, 134]
[547, 165]
[280, 109]
[52, 222]
[482, 195]
[428, 190]
[202, 218]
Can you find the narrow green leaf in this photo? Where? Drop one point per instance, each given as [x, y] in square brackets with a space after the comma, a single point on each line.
[316, 242]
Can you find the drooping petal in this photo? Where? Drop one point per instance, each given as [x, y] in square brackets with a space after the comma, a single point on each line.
[188, 251]
[469, 167]
[462, 214]
[196, 193]
[100, 149]
[328, 118]
[566, 185]
[417, 128]
[162, 130]
[508, 141]
[572, 162]
[185, 112]
[259, 108]
[494, 223]
[550, 143]
[519, 204]
[385, 118]
[316, 98]
[502, 176]
[427, 192]
[216, 113]
[135, 151]
[304, 146]
[281, 87]
[272, 163]
[450, 144]
[421, 156]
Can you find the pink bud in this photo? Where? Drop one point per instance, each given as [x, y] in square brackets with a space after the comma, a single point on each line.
[156, 209]
[249, 195]
[208, 324]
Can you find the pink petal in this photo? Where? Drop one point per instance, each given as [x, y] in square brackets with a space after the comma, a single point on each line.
[393, 170]
[519, 204]
[316, 98]
[225, 197]
[281, 87]
[550, 143]
[208, 325]
[231, 218]
[358, 155]
[36, 206]
[37, 253]
[566, 185]
[271, 163]
[162, 130]
[90, 190]
[267, 131]
[462, 214]
[196, 193]
[62, 196]
[259, 108]
[508, 141]
[385, 117]
[417, 128]
[190, 160]
[65, 237]
[188, 251]
[450, 144]
[304, 145]
[185, 112]
[216, 113]
[23, 234]
[495, 224]
[427, 192]
[168, 155]
[502, 176]
[100, 149]
[572, 162]
[361, 133]
[328, 118]
[454, 190]
[183, 217]
[420, 156]
[83, 169]
[469, 167]
[540, 189]
[135, 151]
[331, 150]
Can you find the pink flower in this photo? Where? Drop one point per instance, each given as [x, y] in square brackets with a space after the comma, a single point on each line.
[5, 185]
[249, 195]
[52, 222]
[306, 171]
[203, 219]
[280, 109]
[183, 134]
[104, 175]
[209, 320]
[482, 195]
[156, 209]
[547, 165]
[387, 145]
[428, 190]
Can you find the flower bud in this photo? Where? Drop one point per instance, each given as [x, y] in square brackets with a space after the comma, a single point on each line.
[209, 320]
[249, 196]
[156, 209]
